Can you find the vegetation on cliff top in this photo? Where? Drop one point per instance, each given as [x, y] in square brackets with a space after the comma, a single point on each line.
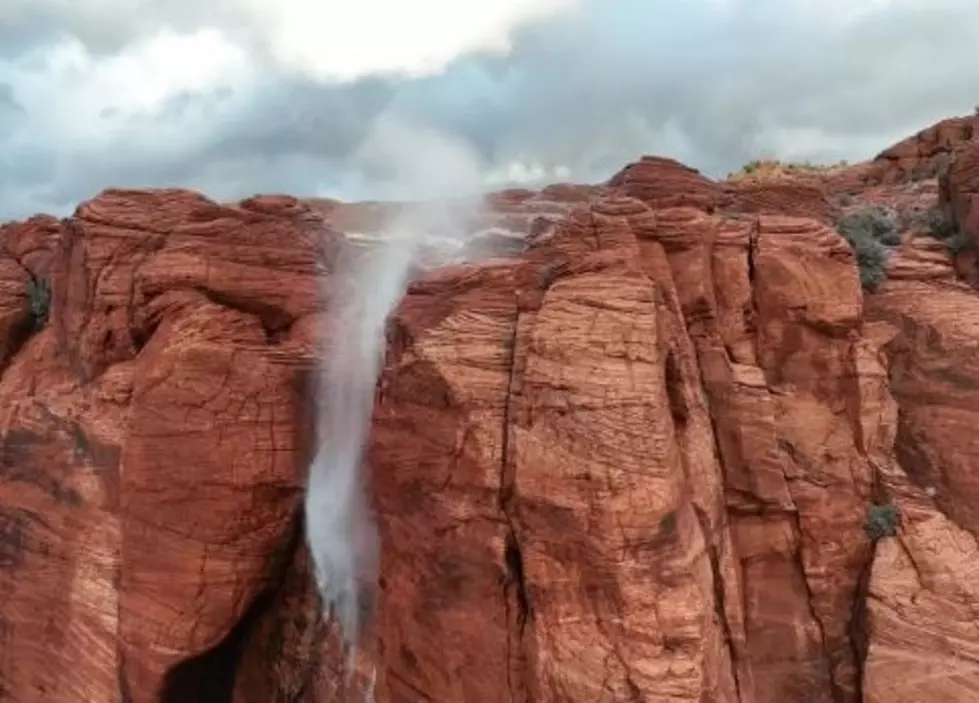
[872, 232]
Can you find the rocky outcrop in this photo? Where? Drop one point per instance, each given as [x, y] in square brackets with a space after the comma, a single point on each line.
[925, 154]
[660, 446]
[922, 594]
[148, 477]
[663, 182]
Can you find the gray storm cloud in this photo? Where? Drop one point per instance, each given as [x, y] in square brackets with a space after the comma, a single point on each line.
[712, 83]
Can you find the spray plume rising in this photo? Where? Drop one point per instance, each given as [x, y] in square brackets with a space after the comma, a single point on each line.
[420, 165]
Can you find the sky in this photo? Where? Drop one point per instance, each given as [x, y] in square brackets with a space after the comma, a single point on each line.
[236, 97]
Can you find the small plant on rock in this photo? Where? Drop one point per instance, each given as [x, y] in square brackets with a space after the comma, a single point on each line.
[801, 166]
[879, 222]
[871, 232]
[940, 226]
[931, 221]
[881, 521]
[39, 294]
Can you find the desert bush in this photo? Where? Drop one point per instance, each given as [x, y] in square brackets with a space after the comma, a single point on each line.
[880, 222]
[871, 232]
[805, 165]
[940, 226]
[881, 521]
[937, 224]
[931, 221]
[39, 295]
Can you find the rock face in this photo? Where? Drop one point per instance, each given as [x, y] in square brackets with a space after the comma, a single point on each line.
[960, 192]
[925, 154]
[639, 454]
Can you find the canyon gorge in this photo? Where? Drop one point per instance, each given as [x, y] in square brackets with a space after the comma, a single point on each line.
[652, 441]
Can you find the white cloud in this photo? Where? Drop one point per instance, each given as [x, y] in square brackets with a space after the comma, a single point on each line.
[347, 40]
[327, 39]
[92, 92]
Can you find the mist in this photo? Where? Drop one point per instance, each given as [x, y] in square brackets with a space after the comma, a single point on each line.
[416, 164]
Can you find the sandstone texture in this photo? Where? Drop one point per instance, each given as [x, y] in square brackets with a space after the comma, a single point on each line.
[630, 444]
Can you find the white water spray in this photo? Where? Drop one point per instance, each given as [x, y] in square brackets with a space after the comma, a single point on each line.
[340, 523]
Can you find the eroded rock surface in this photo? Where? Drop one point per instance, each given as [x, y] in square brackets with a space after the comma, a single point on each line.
[623, 448]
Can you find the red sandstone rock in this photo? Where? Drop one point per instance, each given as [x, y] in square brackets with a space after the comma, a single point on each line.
[629, 461]
[924, 154]
[662, 182]
[780, 197]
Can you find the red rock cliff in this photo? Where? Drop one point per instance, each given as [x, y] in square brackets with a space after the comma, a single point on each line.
[631, 460]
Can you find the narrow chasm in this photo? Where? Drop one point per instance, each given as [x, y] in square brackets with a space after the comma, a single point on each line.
[514, 562]
[516, 598]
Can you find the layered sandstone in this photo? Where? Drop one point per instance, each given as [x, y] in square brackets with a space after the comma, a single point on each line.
[623, 448]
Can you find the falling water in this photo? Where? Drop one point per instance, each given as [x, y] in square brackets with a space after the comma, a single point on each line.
[340, 524]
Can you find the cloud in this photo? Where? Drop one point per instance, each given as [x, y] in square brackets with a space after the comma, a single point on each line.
[242, 96]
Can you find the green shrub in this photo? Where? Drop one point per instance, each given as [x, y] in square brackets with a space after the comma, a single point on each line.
[39, 294]
[938, 225]
[881, 223]
[881, 521]
[871, 232]
[931, 221]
